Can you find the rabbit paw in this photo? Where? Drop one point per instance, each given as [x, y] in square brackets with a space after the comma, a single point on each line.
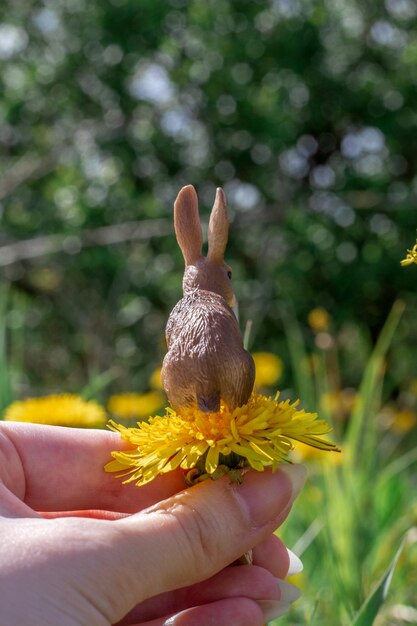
[234, 474]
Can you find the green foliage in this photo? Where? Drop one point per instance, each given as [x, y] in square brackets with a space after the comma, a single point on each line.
[5, 384]
[303, 111]
[12, 315]
[362, 435]
[371, 607]
[356, 510]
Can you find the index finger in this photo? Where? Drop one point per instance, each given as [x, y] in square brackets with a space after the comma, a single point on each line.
[54, 468]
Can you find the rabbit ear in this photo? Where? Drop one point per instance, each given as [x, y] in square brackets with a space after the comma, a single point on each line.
[218, 229]
[187, 224]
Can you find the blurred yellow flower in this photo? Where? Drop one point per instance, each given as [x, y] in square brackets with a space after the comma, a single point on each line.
[57, 410]
[260, 434]
[340, 403]
[268, 369]
[404, 420]
[135, 405]
[318, 319]
[411, 256]
[155, 380]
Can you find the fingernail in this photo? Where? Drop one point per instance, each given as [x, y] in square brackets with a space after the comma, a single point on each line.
[273, 608]
[297, 474]
[267, 494]
[289, 593]
[296, 565]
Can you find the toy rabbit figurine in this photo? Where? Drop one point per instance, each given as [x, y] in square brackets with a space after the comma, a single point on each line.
[206, 361]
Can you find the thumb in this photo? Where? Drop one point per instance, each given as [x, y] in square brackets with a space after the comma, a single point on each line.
[196, 533]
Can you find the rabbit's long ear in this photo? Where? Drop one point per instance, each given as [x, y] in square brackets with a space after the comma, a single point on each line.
[218, 229]
[187, 224]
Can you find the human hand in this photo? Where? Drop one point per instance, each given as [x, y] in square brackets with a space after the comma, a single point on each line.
[112, 553]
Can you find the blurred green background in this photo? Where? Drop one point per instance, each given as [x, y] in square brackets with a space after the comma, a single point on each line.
[305, 113]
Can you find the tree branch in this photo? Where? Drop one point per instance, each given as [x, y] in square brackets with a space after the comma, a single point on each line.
[72, 244]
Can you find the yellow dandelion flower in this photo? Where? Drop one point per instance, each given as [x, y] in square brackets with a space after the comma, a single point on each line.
[155, 379]
[268, 369]
[135, 405]
[411, 256]
[318, 319]
[259, 434]
[57, 410]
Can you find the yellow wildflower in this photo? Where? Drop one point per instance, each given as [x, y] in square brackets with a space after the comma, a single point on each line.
[268, 369]
[318, 319]
[57, 410]
[411, 256]
[400, 420]
[404, 420]
[340, 403]
[135, 405]
[260, 433]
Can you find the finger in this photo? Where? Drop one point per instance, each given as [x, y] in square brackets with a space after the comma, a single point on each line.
[198, 532]
[236, 611]
[12, 506]
[177, 543]
[53, 468]
[272, 554]
[255, 583]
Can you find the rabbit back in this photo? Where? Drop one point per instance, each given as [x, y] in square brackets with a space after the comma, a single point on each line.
[206, 360]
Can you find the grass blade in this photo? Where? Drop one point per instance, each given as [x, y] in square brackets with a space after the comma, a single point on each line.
[362, 427]
[98, 382]
[299, 361]
[369, 610]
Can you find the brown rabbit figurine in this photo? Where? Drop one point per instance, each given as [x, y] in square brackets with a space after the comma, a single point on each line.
[206, 361]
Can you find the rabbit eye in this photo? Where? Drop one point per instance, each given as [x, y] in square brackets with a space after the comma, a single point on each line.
[229, 274]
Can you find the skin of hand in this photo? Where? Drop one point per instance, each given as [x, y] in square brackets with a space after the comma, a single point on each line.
[78, 547]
